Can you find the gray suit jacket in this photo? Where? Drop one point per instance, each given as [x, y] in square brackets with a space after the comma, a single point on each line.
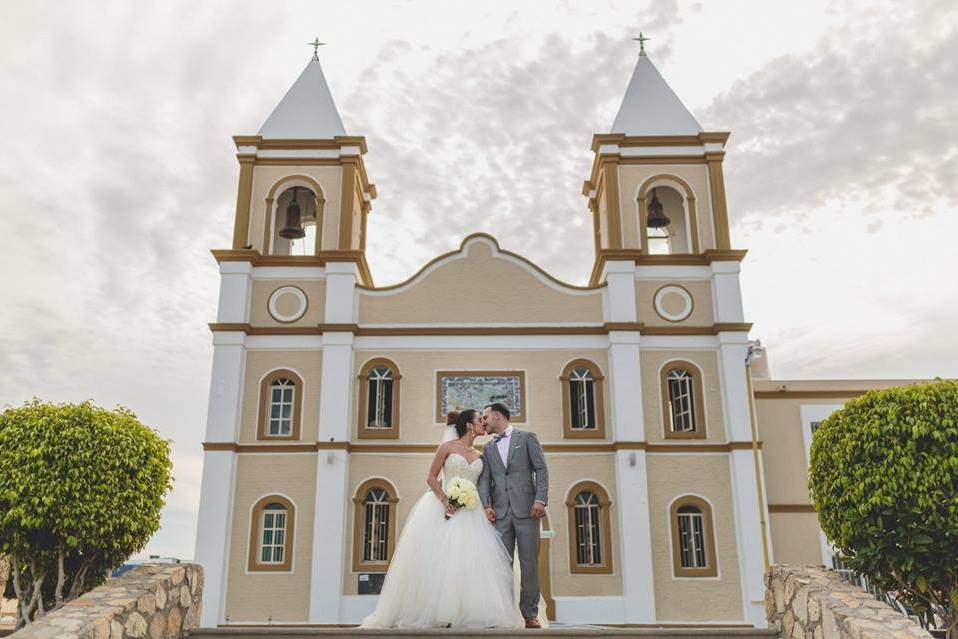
[516, 486]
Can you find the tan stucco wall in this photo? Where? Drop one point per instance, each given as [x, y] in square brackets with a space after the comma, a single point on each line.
[632, 175]
[329, 178]
[700, 290]
[417, 419]
[407, 472]
[652, 362]
[282, 596]
[795, 538]
[786, 466]
[315, 291]
[482, 277]
[564, 472]
[309, 365]
[698, 598]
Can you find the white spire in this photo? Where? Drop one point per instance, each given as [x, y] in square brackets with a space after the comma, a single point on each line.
[307, 111]
[650, 107]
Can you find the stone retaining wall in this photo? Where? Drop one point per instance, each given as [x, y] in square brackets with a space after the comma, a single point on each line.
[811, 602]
[156, 601]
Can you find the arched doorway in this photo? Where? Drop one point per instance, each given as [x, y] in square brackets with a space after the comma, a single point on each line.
[546, 535]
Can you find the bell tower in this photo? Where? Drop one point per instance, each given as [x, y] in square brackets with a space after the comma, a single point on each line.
[656, 188]
[304, 195]
[656, 194]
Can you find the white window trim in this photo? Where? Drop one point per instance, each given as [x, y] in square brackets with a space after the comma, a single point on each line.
[813, 413]
[816, 413]
[295, 531]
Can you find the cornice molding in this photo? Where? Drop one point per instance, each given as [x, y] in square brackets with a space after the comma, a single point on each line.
[255, 258]
[361, 331]
[337, 142]
[809, 394]
[622, 140]
[791, 508]
[639, 258]
[598, 447]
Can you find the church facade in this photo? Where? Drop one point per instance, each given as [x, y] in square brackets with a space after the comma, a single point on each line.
[677, 468]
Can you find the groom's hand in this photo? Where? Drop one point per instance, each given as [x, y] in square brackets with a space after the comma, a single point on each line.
[538, 510]
[490, 514]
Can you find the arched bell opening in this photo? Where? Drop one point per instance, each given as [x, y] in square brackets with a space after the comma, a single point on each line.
[295, 222]
[665, 221]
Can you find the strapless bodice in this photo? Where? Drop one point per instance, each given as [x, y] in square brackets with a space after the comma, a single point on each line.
[458, 466]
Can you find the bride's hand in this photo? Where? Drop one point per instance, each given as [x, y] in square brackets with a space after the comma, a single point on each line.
[451, 509]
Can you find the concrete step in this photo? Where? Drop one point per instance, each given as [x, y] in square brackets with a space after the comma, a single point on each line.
[332, 632]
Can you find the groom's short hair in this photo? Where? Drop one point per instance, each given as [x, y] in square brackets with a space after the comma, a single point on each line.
[499, 408]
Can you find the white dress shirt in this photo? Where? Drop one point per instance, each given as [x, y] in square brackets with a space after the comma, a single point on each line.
[503, 446]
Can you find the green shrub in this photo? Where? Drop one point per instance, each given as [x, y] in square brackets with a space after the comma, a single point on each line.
[884, 479]
[81, 489]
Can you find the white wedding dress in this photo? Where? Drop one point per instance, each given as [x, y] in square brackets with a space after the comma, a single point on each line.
[453, 572]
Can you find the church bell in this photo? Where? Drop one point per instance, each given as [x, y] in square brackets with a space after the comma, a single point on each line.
[657, 219]
[293, 230]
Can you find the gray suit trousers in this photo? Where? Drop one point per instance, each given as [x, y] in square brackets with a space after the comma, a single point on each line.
[523, 532]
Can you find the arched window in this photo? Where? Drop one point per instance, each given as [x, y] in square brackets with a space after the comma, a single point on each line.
[682, 401]
[582, 406]
[280, 405]
[693, 541]
[374, 526]
[590, 537]
[271, 535]
[379, 400]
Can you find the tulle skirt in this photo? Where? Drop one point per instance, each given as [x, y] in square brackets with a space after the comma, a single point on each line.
[453, 573]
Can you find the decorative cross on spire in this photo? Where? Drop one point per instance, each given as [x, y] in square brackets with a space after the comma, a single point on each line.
[316, 44]
[641, 40]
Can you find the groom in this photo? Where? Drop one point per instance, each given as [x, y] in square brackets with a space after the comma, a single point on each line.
[514, 488]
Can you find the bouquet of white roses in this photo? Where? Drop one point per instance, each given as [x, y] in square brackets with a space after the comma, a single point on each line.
[462, 493]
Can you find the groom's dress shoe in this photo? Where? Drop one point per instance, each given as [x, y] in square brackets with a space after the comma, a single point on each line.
[532, 622]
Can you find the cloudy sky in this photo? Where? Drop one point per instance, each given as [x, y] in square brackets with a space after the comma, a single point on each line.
[118, 172]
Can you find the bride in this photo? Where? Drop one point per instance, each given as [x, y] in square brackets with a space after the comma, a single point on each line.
[451, 572]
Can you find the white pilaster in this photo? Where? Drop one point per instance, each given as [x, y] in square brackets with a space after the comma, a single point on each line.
[235, 279]
[329, 530]
[728, 292]
[733, 347]
[219, 468]
[748, 526]
[619, 298]
[332, 466]
[635, 540]
[625, 387]
[632, 492]
[226, 387]
[341, 278]
[213, 532]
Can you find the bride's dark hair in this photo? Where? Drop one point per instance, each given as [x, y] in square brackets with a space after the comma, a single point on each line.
[463, 419]
[452, 417]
